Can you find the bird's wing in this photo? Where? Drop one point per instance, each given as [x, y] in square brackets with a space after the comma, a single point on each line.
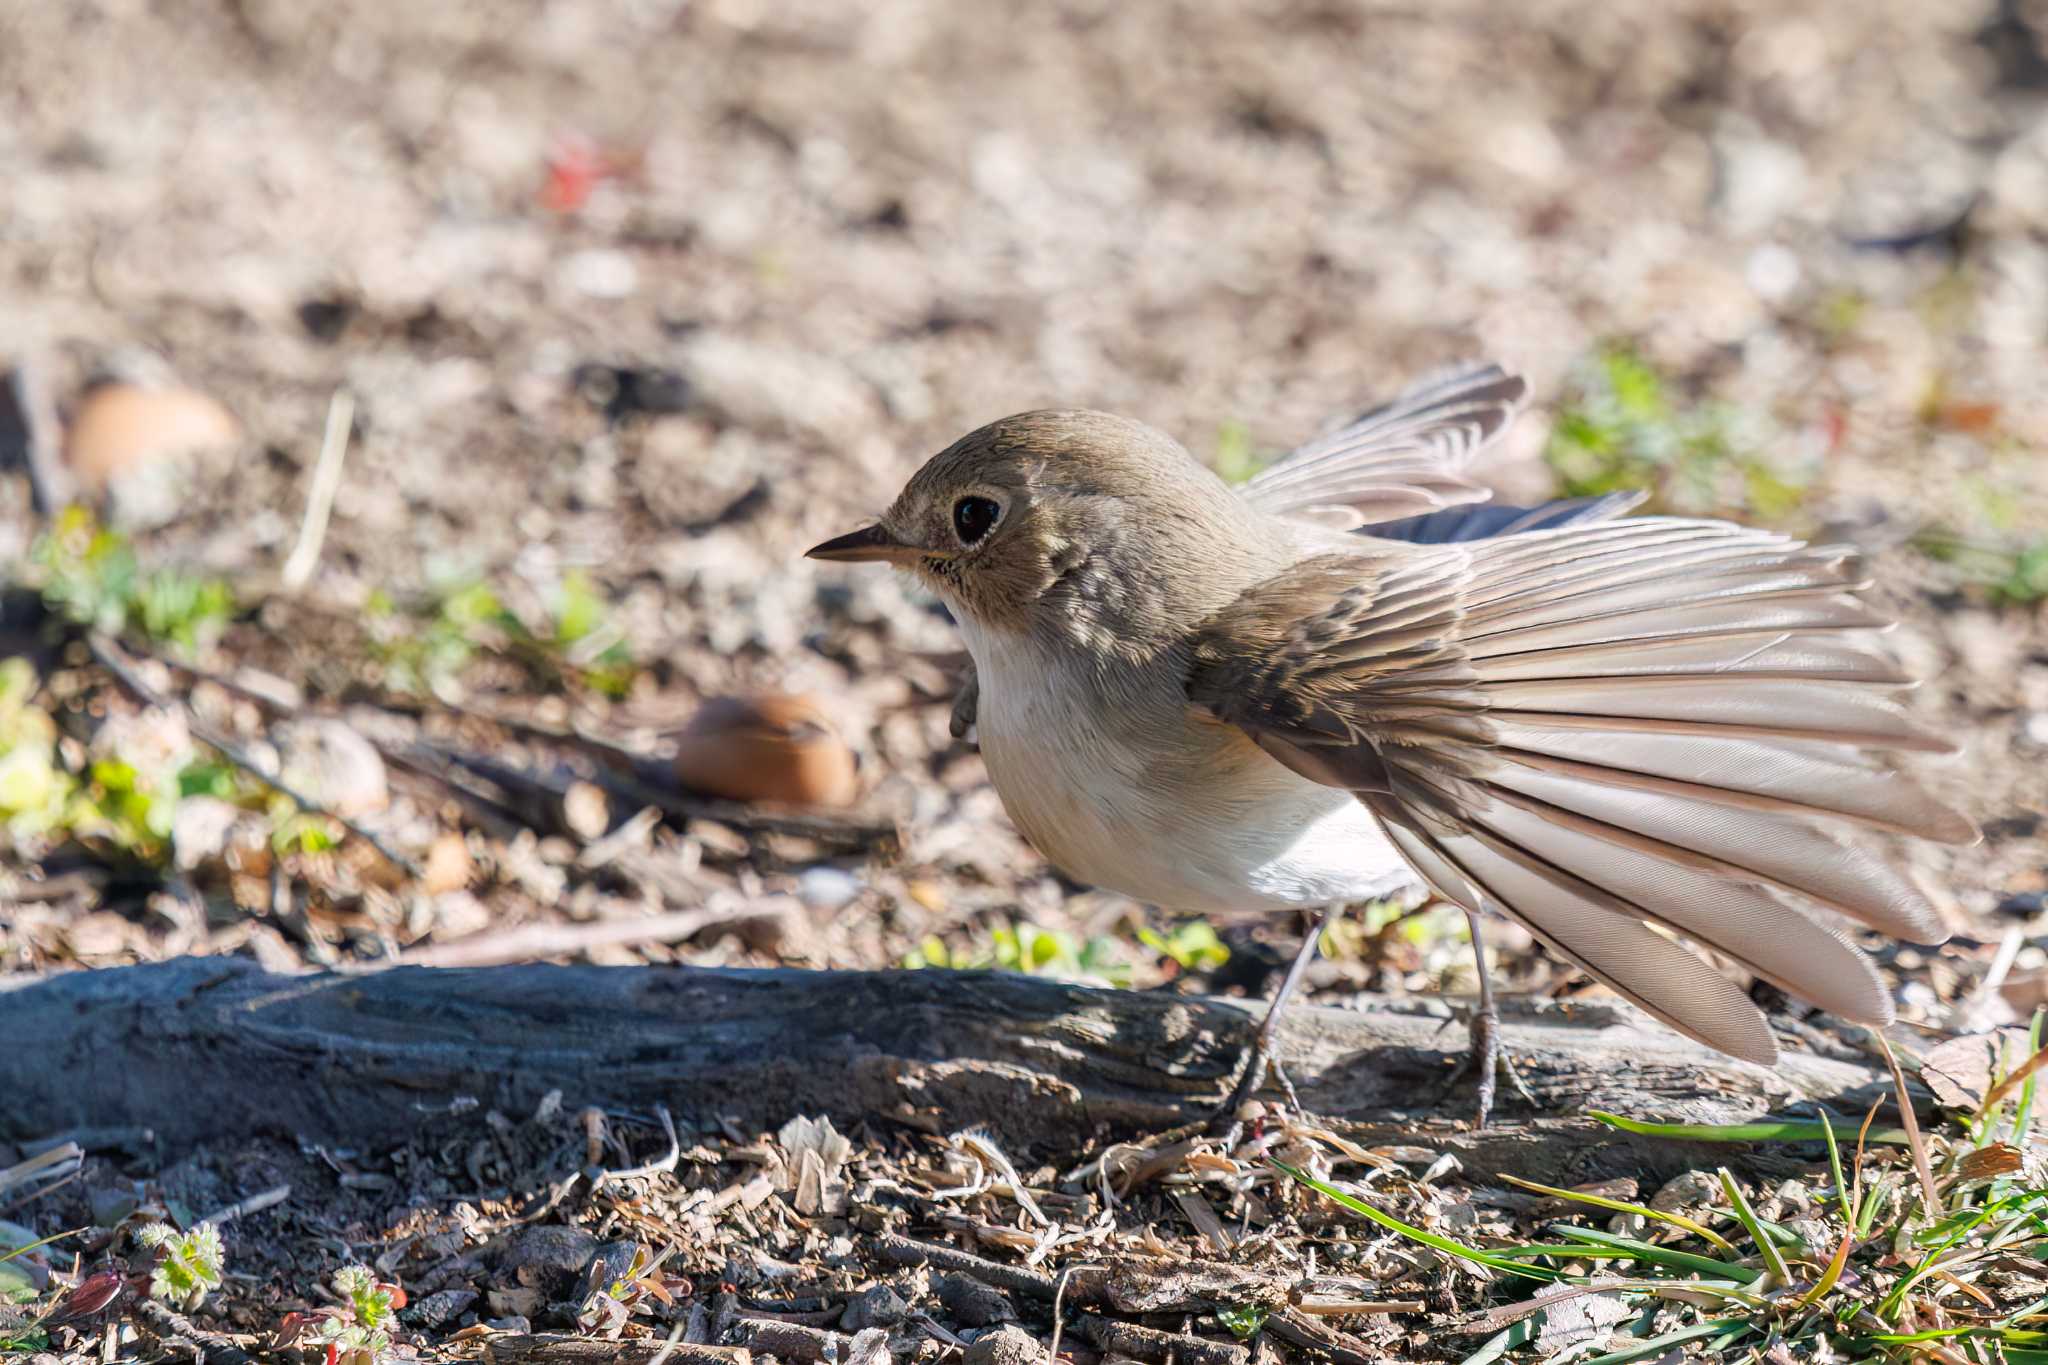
[1608, 732]
[1404, 458]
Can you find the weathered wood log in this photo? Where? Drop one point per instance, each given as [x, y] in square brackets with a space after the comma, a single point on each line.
[207, 1049]
[562, 1349]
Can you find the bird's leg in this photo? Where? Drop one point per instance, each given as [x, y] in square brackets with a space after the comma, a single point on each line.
[1485, 1041]
[1484, 1054]
[1260, 1059]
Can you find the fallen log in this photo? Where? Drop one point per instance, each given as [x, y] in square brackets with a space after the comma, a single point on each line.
[209, 1049]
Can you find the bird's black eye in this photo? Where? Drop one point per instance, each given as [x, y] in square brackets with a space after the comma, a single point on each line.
[973, 518]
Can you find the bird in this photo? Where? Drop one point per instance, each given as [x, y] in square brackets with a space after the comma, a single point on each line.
[1354, 675]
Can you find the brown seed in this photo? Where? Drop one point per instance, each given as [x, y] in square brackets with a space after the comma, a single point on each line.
[120, 428]
[766, 747]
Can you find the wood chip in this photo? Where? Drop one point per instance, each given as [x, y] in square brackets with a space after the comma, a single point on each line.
[1170, 1348]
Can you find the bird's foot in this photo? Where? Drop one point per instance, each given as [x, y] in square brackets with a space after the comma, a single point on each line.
[1259, 1066]
[1485, 1058]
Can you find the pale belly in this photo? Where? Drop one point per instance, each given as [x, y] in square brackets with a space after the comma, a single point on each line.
[1142, 798]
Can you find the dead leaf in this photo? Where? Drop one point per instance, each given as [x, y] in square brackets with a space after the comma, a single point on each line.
[1962, 1071]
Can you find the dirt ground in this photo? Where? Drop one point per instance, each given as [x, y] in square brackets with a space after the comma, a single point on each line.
[635, 300]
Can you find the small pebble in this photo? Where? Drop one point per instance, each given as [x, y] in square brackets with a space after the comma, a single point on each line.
[826, 888]
[880, 1306]
[601, 273]
[1005, 1346]
[437, 1311]
[972, 1303]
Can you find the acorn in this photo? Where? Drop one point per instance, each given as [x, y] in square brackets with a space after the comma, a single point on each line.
[120, 429]
[765, 747]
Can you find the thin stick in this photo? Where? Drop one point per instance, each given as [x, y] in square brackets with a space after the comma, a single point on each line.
[2013, 1082]
[668, 1348]
[1931, 1202]
[115, 660]
[905, 1251]
[1059, 1321]
[666, 1163]
[50, 483]
[51, 1163]
[255, 1203]
[305, 555]
[500, 947]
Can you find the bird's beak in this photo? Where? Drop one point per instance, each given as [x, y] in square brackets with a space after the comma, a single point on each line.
[870, 544]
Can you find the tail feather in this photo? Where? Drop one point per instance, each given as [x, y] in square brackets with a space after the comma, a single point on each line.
[1612, 732]
[1602, 936]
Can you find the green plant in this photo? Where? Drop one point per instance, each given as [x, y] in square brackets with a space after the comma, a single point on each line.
[89, 574]
[1192, 944]
[422, 651]
[188, 1264]
[2010, 575]
[637, 1289]
[359, 1331]
[1619, 429]
[1031, 949]
[586, 636]
[1242, 1321]
[36, 793]
[427, 648]
[1887, 1266]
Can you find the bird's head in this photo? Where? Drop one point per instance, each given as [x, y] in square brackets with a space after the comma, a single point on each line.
[1078, 525]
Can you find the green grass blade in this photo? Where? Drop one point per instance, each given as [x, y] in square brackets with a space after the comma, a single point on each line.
[1836, 1264]
[1677, 1220]
[1414, 1234]
[1827, 1130]
[1769, 1130]
[39, 1245]
[2023, 1117]
[1656, 1345]
[1765, 1243]
[1655, 1255]
[1873, 1197]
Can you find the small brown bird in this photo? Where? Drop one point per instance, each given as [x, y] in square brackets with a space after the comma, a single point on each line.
[1353, 674]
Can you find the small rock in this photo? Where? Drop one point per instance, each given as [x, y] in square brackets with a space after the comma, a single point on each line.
[586, 810]
[880, 1306]
[448, 866]
[522, 1302]
[515, 1323]
[1690, 1191]
[438, 1311]
[767, 747]
[826, 888]
[601, 273]
[870, 1347]
[547, 1258]
[1005, 1346]
[972, 1303]
[622, 390]
[326, 761]
[199, 830]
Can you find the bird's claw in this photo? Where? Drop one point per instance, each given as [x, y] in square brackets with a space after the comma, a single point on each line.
[1485, 1057]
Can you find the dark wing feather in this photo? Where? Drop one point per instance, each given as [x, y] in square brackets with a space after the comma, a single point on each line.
[1614, 733]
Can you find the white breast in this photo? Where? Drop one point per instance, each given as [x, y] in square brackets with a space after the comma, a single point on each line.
[1121, 787]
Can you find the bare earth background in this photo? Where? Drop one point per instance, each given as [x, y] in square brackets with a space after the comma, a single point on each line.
[636, 300]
